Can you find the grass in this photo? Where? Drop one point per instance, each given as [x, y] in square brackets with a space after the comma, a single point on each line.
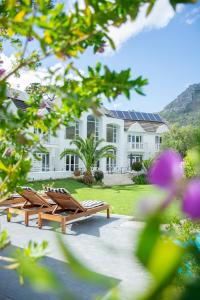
[123, 199]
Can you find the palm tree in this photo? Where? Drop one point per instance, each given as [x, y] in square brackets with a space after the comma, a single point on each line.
[89, 152]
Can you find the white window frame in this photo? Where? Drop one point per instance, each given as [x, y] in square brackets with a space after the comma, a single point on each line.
[76, 130]
[45, 158]
[114, 132]
[111, 163]
[72, 163]
[95, 121]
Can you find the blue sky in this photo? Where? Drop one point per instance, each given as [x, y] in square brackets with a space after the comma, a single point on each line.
[168, 57]
[165, 49]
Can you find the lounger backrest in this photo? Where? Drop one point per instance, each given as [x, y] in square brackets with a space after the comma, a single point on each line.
[33, 197]
[64, 199]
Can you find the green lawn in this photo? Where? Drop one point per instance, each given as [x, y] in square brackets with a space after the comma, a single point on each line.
[123, 199]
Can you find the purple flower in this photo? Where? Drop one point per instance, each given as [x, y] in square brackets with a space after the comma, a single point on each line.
[166, 170]
[191, 199]
[8, 152]
[2, 71]
[102, 48]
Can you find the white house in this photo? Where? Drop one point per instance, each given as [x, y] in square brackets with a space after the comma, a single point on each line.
[136, 136]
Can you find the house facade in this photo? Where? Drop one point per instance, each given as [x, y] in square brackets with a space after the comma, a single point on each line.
[136, 136]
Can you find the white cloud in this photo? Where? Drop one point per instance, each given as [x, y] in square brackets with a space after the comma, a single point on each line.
[30, 76]
[160, 17]
[193, 16]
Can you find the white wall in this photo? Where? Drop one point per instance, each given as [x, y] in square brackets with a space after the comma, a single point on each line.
[58, 143]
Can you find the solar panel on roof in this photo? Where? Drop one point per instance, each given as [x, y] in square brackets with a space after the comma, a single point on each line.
[126, 114]
[158, 118]
[114, 113]
[120, 115]
[123, 113]
[133, 116]
[145, 116]
[139, 115]
[136, 116]
[129, 115]
[151, 118]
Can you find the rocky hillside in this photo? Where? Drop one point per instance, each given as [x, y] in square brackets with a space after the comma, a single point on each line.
[185, 109]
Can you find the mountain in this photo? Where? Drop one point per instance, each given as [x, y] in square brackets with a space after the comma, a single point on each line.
[185, 109]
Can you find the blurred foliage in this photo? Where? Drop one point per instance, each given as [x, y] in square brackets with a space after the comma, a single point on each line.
[180, 139]
[190, 164]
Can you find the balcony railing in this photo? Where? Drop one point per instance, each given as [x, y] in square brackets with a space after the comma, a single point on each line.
[137, 146]
[157, 146]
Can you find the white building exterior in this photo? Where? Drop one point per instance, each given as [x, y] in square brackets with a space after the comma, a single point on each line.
[135, 134]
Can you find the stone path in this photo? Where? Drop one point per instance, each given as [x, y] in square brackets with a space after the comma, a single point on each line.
[106, 245]
[117, 179]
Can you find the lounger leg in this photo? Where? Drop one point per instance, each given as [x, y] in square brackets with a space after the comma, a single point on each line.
[26, 218]
[63, 225]
[39, 221]
[108, 212]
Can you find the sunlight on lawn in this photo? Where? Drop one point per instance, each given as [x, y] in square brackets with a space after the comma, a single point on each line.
[123, 199]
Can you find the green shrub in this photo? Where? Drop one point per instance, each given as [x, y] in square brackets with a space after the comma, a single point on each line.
[140, 179]
[189, 166]
[147, 163]
[137, 166]
[98, 175]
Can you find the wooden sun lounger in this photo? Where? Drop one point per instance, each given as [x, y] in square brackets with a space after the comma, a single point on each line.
[33, 204]
[68, 209]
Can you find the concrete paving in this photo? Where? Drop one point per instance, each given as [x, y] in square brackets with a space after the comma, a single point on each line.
[118, 179]
[105, 245]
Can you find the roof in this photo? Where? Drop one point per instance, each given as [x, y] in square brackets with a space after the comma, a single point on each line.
[18, 98]
[135, 116]
[147, 126]
[20, 104]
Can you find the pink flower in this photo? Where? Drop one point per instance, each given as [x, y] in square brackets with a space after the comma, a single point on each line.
[2, 71]
[191, 199]
[166, 170]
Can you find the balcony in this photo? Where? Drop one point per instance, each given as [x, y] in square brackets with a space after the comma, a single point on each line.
[136, 146]
[157, 147]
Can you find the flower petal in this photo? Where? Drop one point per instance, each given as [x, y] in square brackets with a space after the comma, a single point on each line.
[191, 199]
[166, 170]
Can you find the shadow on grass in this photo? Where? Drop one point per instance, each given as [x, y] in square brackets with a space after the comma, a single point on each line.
[82, 290]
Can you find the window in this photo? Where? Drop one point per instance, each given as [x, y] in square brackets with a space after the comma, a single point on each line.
[45, 162]
[110, 162]
[45, 136]
[71, 163]
[135, 138]
[158, 139]
[37, 130]
[92, 127]
[72, 131]
[111, 133]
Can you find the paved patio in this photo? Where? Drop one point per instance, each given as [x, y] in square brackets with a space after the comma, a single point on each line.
[106, 245]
